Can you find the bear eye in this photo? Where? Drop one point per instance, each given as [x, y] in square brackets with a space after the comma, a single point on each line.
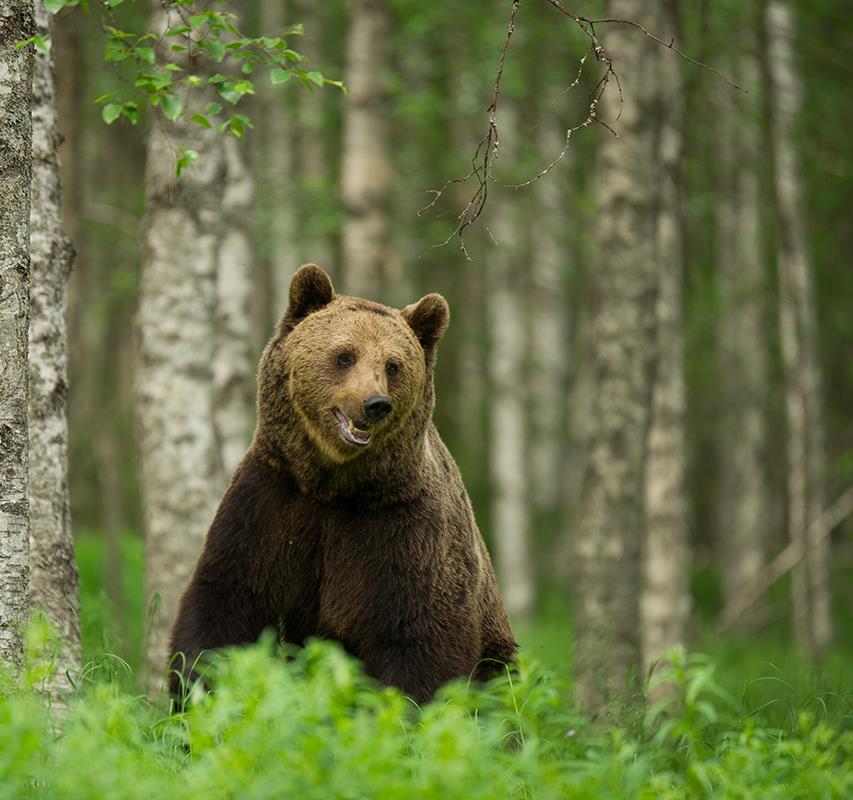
[346, 359]
[391, 368]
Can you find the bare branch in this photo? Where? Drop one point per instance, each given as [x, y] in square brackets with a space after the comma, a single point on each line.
[487, 148]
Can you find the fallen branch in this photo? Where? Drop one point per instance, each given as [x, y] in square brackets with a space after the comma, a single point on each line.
[817, 531]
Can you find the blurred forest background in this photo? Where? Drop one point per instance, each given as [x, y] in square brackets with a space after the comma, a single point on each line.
[735, 204]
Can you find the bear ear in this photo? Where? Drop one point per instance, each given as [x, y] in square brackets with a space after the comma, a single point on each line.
[428, 318]
[310, 290]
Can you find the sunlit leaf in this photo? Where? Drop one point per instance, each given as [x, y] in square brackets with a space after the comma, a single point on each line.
[172, 106]
[279, 75]
[111, 112]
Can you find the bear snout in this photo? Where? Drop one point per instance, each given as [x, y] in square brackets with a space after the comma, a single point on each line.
[377, 407]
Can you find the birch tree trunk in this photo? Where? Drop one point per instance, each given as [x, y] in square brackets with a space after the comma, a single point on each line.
[279, 167]
[365, 166]
[745, 504]
[665, 599]
[312, 167]
[54, 585]
[548, 326]
[811, 586]
[510, 518]
[16, 75]
[607, 545]
[194, 372]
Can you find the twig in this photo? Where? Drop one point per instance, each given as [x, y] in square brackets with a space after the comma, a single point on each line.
[785, 561]
[487, 148]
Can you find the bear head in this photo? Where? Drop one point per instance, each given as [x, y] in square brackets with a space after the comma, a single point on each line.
[351, 376]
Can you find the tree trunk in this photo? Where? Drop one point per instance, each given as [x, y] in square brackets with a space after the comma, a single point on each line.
[314, 158]
[193, 370]
[811, 586]
[365, 166]
[234, 365]
[510, 517]
[665, 599]
[54, 585]
[16, 76]
[745, 506]
[607, 544]
[278, 168]
[548, 325]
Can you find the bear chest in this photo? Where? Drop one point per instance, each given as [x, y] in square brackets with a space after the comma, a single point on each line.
[384, 574]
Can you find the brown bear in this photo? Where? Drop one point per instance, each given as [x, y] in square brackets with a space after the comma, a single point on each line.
[348, 518]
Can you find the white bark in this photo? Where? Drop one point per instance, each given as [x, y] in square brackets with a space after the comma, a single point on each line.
[510, 520]
[811, 585]
[548, 325]
[665, 598]
[194, 372]
[234, 366]
[16, 74]
[313, 158]
[365, 165]
[745, 506]
[54, 585]
[607, 576]
[279, 167]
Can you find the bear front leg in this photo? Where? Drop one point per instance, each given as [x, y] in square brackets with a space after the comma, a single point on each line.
[213, 614]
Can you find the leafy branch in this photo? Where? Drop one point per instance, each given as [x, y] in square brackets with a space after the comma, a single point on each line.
[200, 50]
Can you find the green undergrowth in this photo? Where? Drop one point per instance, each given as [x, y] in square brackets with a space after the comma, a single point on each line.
[316, 727]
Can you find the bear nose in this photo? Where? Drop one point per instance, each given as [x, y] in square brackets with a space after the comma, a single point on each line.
[377, 407]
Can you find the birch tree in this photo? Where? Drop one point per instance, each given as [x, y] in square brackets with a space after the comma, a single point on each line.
[194, 368]
[744, 506]
[16, 76]
[278, 167]
[606, 583]
[548, 326]
[365, 164]
[803, 401]
[510, 518]
[312, 167]
[665, 599]
[54, 585]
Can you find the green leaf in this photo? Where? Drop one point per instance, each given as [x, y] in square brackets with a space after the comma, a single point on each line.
[213, 108]
[145, 54]
[228, 93]
[114, 3]
[131, 111]
[215, 48]
[186, 158]
[202, 120]
[279, 75]
[103, 98]
[55, 6]
[316, 77]
[111, 112]
[39, 41]
[172, 106]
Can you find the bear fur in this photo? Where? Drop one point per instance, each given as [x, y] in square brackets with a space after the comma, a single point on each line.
[319, 534]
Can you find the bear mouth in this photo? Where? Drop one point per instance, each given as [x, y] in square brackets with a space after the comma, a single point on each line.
[353, 432]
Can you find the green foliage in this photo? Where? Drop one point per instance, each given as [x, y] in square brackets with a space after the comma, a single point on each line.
[203, 50]
[316, 727]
